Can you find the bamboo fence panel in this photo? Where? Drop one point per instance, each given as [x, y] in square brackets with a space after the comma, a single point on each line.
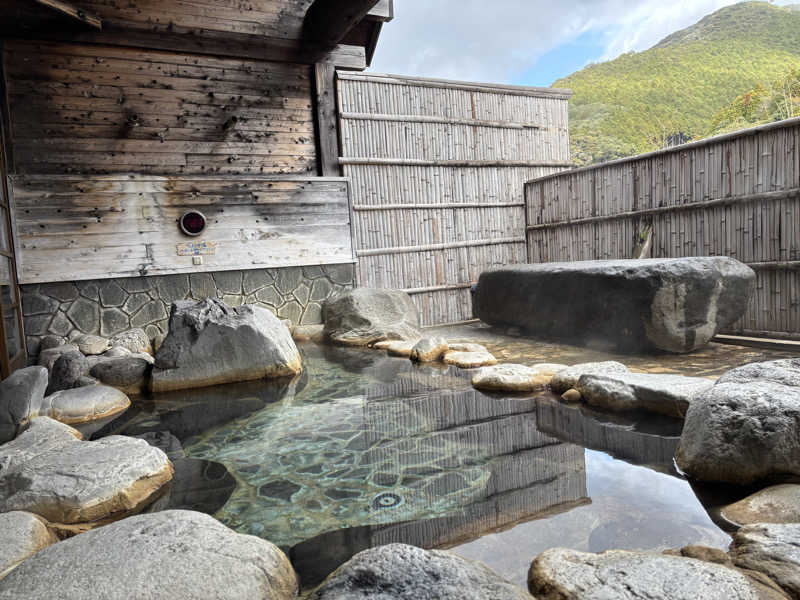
[735, 195]
[437, 170]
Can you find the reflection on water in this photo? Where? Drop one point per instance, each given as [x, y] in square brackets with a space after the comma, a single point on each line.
[365, 449]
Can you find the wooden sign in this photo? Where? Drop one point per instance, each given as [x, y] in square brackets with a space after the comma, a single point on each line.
[197, 248]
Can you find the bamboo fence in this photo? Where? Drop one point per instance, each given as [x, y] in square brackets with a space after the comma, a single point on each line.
[736, 195]
[437, 171]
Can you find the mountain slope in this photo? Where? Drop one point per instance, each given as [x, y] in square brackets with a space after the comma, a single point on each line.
[641, 101]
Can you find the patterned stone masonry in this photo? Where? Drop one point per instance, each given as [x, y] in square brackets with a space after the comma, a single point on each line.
[108, 306]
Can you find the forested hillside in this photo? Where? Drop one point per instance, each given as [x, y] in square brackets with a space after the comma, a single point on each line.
[680, 88]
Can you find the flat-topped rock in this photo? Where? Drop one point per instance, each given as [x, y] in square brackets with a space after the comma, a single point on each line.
[211, 343]
[401, 572]
[675, 304]
[775, 504]
[429, 349]
[745, 428]
[169, 555]
[772, 549]
[24, 534]
[514, 378]
[469, 360]
[668, 395]
[466, 347]
[84, 404]
[49, 471]
[363, 316]
[398, 348]
[561, 574]
[567, 378]
[21, 395]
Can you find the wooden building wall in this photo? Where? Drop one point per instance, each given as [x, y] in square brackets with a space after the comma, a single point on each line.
[79, 108]
[437, 171]
[735, 195]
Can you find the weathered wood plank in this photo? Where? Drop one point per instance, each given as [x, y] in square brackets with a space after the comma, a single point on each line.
[113, 226]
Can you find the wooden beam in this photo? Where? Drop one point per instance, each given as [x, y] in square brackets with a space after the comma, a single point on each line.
[326, 121]
[68, 9]
[329, 21]
[383, 11]
[229, 45]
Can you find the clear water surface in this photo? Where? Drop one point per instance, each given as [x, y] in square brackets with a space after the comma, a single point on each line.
[365, 449]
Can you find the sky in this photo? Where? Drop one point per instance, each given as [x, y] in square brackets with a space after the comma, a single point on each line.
[525, 42]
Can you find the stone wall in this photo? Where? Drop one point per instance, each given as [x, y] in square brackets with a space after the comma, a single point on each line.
[108, 306]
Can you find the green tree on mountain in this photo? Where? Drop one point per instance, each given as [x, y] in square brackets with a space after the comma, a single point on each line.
[642, 101]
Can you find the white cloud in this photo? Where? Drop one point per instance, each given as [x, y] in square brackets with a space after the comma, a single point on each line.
[485, 40]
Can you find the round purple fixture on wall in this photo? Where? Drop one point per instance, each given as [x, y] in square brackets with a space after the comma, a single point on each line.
[192, 222]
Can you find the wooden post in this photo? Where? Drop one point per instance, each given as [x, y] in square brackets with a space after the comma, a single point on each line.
[329, 21]
[326, 120]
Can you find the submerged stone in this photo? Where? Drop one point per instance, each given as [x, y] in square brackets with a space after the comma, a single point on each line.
[401, 572]
[561, 574]
[49, 471]
[363, 316]
[775, 504]
[211, 343]
[745, 428]
[668, 395]
[469, 360]
[674, 304]
[567, 378]
[169, 555]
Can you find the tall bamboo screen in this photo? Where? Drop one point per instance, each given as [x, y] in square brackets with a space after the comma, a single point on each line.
[437, 171]
[736, 195]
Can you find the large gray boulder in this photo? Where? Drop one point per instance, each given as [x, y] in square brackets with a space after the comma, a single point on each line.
[674, 304]
[401, 572]
[561, 574]
[129, 374]
[211, 343]
[363, 316]
[746, 428]
[772, 549]
[668, 395]
[84, 404]
[24, 534]
[49, 471]
[169, 555]
[567, 378]
[21, 395]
